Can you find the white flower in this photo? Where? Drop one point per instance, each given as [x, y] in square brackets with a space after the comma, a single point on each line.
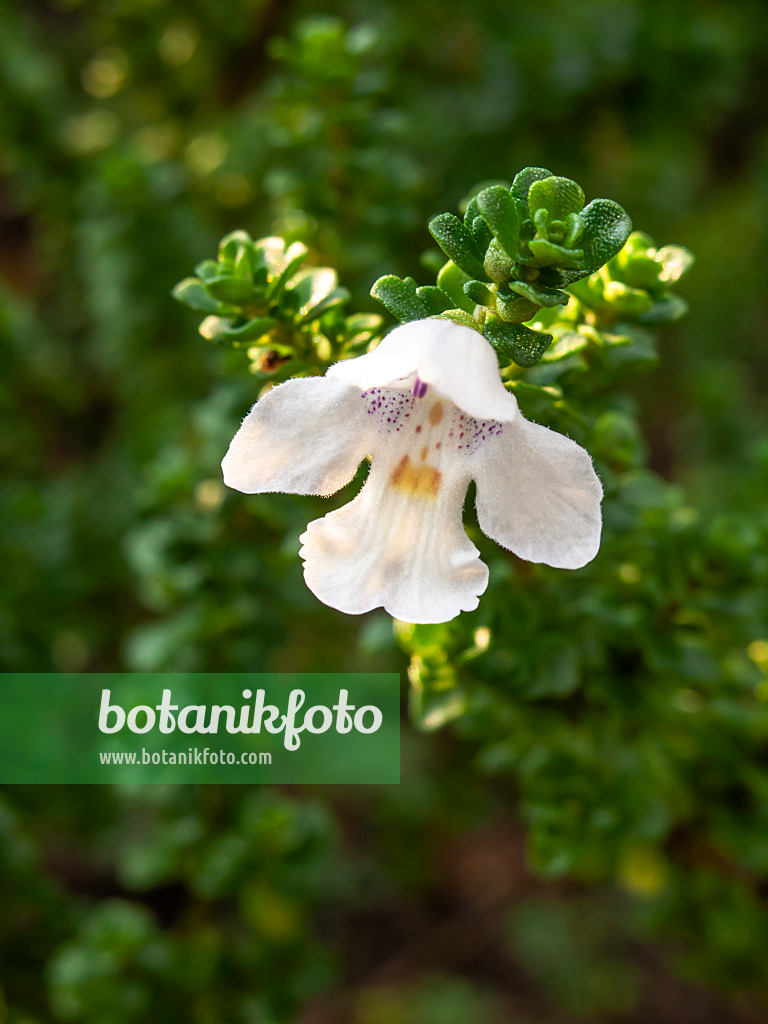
[430, 409]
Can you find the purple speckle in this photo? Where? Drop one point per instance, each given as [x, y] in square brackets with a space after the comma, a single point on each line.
[398, 412]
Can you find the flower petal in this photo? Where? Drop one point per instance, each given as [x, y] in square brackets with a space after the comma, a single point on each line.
[389, 549]
[456, 360]
[307, 436]
[539, 496]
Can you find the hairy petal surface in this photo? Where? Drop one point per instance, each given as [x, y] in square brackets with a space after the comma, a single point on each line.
[307, 436]
[397, 547]
[457, 361]
[538, 495]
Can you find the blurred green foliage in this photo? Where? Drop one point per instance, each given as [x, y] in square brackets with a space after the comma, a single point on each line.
[587, 836]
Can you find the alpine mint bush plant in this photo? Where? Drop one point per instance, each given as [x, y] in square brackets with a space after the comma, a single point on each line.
[401, 544]
[605, 728]
[621, 703]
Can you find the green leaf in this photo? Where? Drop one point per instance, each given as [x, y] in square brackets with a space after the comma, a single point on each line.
[665, 311]
[309, 289]
[638, 244]
[500, 214]
[280, 261]
[573, 230]
[400, 297]
[676, 261]
[260, 279]
[514, 308]
[435, 298]
[606, 229]
[451, 280]
[479, 293]
[334, 298]
[360, 329]
[590, 290]
[208, 270]
[639, 271]
[191, 292]
[549, 254]
[516, 343]
[284, 266]
[230, 289]
[624, 301]
[474, 222]
[232, 245]
[546, 393]
[629, 344]
[460, 316]
[498, 265]
[537, 293]
[636, 264]
[243, 268]
[566, 344]
[220, 330]
[521, 186]
[607, 339]
[458, 244]
[558, 196]
[546, 372]
[251, 330]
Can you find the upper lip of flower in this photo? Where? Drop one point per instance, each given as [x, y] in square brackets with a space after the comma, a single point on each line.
[430, 409]
[456, 360]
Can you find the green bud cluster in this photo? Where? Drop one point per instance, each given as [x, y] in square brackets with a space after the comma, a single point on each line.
[636, 285]
[611, 317]
[259, 296]
[515, 252]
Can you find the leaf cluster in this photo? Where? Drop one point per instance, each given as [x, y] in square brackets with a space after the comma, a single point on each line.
[260, 296]
[515, 251]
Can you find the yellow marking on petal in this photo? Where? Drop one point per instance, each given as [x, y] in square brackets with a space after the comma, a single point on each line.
[424, 452]
[419, 481]
[436, 413]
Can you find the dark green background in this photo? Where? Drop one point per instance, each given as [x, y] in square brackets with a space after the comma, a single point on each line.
[136, 133]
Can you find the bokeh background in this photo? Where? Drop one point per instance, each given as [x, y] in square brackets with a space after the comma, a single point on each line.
[587, 880]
